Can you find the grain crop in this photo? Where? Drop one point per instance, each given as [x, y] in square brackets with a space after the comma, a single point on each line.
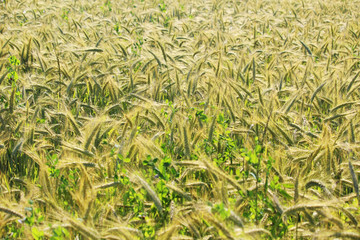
[176, 119]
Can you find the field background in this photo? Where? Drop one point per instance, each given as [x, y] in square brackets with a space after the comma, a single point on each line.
[203, 119]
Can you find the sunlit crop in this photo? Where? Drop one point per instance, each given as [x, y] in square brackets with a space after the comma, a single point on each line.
[177, 119]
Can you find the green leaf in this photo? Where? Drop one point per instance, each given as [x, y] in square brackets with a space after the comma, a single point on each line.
[37, 234]
[40, 219]
[57, 231]
[253, 158]
[258, 149]
[285, 194]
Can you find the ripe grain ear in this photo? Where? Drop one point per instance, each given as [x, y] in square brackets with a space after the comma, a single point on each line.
[354, 180]
[151, 193]
[186, 143]
[11, 212]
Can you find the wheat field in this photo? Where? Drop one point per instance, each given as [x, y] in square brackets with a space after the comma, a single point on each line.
[176, 119]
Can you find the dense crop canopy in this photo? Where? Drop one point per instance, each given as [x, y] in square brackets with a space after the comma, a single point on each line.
[177, 119]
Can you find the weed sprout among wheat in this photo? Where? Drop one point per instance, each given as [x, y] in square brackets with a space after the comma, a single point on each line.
[175, 119]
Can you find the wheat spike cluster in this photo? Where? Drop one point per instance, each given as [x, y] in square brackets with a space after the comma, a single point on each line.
[177, 119]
